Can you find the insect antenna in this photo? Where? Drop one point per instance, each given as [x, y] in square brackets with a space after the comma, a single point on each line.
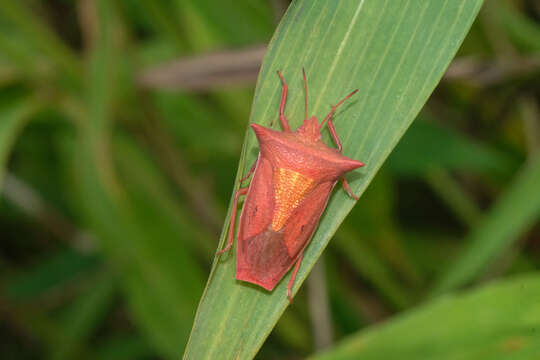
[305, 95]
[334, 107]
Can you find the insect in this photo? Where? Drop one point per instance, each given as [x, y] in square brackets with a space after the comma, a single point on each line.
[293, 177]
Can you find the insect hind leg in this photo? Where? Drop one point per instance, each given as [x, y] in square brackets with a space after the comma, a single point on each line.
[239, 193]
[293, 276]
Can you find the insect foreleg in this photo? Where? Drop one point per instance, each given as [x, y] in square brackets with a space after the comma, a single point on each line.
[334, 134]
[251, 171]
[282, 118]
[305, 94]
[334, 107]
[239, 193]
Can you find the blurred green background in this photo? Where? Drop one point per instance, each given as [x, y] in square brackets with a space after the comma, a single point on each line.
[121, 124]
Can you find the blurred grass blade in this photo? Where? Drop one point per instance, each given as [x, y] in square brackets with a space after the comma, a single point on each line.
[83, 317]
[103, 81]
[123, 348]
[12, 118]
[395, 52]
[159, 16]
[39, 36]
[61, 269]
[498, 321]
[116, 186]
[144, 242]
[456, 198]
[427, 146]
[516, 210]
[22, 59]
[524, 31]
[240, 22]
[372, 243]
[368, 264]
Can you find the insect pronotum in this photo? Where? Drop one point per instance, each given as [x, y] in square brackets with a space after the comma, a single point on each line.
[293, 178]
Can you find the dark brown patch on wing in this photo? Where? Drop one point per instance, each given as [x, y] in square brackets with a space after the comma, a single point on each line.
[263, 259]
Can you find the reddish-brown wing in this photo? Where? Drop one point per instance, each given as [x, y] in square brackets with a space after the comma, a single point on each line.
[259, 203]
[265, 254]
[304, 220]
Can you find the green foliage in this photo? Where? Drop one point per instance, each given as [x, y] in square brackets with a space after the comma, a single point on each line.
[497, 321]
[395, 69]
[82, 318]
[427, 146]
[515, 212]
[12, 119]
[113, 194]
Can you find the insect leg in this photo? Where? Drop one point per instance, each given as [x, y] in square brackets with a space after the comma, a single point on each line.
[251, 171]
[348, 189]
[334, 134]
[305, 94]
[282, 118]
[239, 193]
[293, 276]
[334, 107]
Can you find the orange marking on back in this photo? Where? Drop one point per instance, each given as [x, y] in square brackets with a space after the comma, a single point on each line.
[291, 188]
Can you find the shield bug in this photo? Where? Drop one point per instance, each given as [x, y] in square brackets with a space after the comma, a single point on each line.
[293, 178]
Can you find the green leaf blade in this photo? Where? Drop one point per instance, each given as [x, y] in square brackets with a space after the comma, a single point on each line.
[514, 213]
[395, 53]
[13, 117]
[497, 321]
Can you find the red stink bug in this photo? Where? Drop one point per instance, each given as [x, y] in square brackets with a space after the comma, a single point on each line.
[294, 175]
